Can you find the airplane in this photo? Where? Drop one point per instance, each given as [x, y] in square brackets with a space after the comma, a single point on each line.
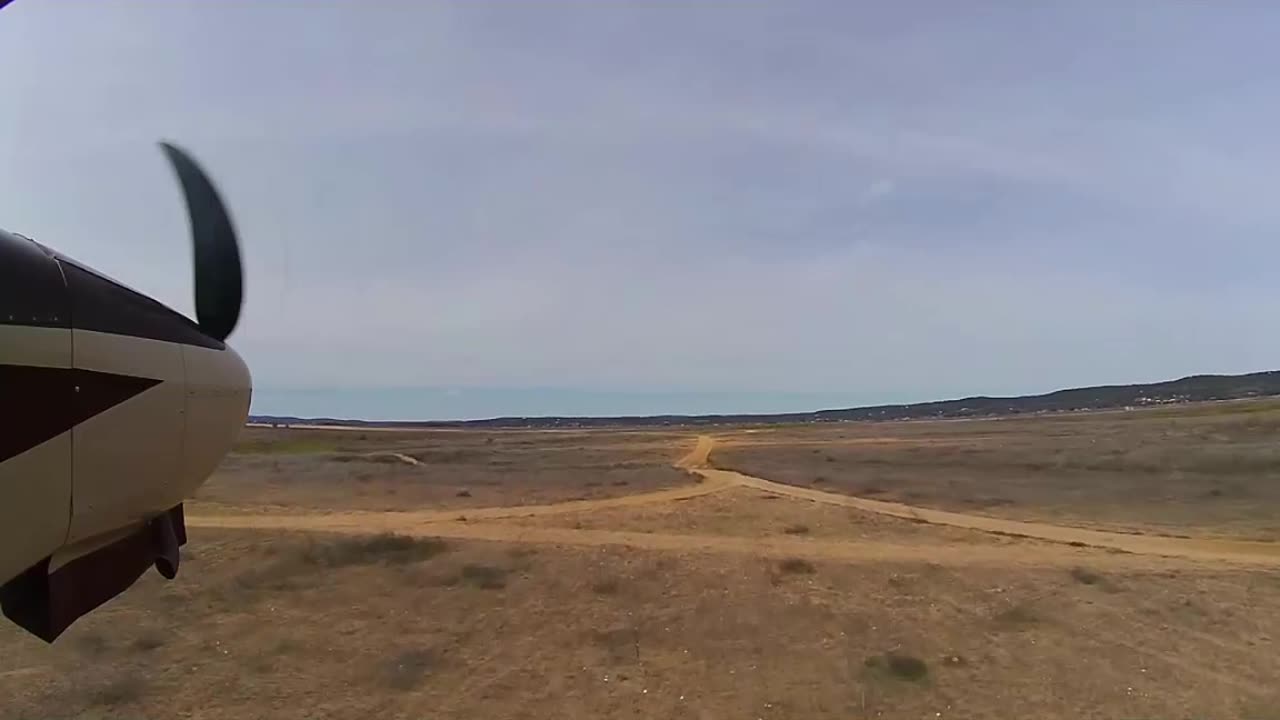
[116, 408]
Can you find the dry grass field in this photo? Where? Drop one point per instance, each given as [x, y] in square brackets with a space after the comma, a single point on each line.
[1205, 469]
[328, 577]
[310, 470]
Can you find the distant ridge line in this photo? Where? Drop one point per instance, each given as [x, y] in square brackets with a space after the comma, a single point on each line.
[1193, 388]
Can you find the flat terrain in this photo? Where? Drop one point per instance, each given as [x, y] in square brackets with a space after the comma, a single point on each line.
[1209, 469]
[689, 591]
[308, 470]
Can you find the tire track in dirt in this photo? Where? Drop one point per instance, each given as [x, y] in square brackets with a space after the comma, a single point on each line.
[462, 524]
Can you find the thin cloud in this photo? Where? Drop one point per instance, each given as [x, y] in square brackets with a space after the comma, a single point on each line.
[877, 190]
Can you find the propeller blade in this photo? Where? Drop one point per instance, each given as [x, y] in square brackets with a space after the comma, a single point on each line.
[218, 280]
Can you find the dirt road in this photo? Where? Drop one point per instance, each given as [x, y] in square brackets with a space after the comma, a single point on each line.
[1191, 548]
[464, 524]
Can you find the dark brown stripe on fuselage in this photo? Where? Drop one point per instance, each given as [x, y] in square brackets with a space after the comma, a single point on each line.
[99, 304]
[40, 403]
[40, 287]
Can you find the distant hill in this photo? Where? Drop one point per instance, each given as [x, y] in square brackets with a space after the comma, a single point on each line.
[1195, 388]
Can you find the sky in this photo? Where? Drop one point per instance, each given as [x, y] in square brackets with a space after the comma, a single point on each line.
[467, 209]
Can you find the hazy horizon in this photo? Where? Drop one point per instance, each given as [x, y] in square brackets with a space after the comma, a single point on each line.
[434, 404]
[484, 403]
[612, 206]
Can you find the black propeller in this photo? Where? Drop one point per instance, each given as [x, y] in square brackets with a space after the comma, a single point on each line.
[218, 278]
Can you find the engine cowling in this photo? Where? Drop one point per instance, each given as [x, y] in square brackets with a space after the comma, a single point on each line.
[121, 408]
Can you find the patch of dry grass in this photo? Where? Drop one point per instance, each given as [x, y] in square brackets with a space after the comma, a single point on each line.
[148, 640]
[1086, 576]
[607, 586]
[406, 670]
[899, 665]
[1017, 616]
[384, 548]
[796, 566]
[297, 566]
[486, 577]
[123, 690]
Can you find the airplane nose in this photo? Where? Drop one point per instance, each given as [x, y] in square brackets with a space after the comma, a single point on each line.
[219, 389]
